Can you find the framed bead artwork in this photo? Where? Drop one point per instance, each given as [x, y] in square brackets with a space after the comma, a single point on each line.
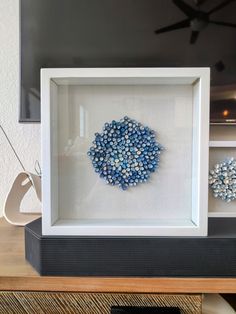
[125, 151]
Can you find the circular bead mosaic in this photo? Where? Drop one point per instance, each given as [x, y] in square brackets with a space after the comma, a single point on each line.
[222, 180]
[125, 153]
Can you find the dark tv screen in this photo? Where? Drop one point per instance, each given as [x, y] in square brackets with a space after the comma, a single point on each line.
[117, 33]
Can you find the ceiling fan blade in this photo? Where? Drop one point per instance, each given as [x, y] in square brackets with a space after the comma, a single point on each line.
[220, 6]
[173, 27]
[184, 7]
[194, 37]
[223, 23]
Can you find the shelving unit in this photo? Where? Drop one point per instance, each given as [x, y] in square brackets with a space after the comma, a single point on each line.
[221, 146]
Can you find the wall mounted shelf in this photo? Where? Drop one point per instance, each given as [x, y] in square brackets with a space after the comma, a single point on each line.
[222, 144]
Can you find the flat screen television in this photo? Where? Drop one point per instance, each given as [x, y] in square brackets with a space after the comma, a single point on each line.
[116, 33]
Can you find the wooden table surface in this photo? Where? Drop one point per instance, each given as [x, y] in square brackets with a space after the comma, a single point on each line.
[18, 275]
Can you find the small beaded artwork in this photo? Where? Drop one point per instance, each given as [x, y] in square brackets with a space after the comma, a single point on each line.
[125, 153]
[222, 180]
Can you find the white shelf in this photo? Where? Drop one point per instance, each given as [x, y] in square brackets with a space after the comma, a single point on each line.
[221, 214]
[222, 144]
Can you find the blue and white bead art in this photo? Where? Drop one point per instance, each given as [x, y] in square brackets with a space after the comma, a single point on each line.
[222, 180]
[125, 153]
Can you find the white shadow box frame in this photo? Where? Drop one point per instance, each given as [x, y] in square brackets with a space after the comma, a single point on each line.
[76, 103]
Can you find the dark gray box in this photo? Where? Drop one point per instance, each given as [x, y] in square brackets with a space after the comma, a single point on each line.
[212, 256]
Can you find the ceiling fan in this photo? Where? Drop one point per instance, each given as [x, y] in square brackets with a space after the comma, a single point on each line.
[196, 19]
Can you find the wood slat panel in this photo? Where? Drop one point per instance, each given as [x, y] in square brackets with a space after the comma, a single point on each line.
[81, 303]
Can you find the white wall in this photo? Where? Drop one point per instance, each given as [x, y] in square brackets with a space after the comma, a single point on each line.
[25, 137]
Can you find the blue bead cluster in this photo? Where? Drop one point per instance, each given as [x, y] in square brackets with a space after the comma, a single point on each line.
[125, 153]
[222, 180]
